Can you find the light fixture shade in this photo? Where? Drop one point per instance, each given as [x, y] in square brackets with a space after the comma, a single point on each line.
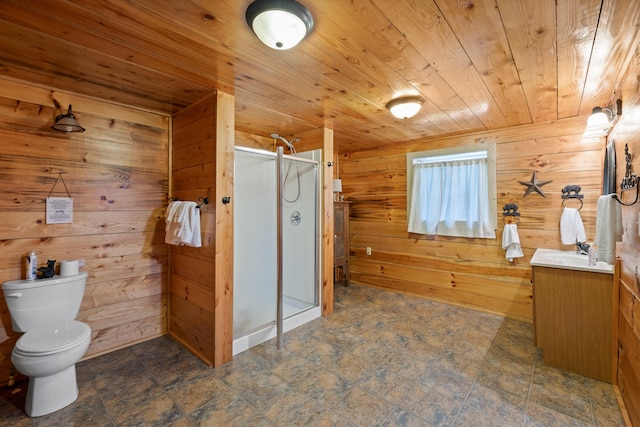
[599, 119]
[67, 123]
[337, 186]
[280, 24]
[405, 107]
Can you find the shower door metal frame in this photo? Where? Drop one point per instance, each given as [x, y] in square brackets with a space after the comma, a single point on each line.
[280, 158]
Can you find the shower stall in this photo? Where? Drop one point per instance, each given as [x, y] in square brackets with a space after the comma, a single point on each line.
[269, 186]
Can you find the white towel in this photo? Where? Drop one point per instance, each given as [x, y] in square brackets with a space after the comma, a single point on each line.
[190, 226]
[172, 223]
[571, 227]
[511, 242]
[608, 228]
[183, 224]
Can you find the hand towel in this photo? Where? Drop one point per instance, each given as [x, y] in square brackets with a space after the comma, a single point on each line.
[608, 228]
[189, 230]
[183, 224]
[571, 227]
[172, 223]
[511, 242]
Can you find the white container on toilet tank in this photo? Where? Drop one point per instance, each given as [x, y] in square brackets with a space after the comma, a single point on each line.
[31, 270]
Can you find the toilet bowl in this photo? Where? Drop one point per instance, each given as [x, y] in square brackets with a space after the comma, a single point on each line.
[48, 355]
[52, 342]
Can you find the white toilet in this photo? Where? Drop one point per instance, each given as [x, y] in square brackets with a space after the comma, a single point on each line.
[52, 342]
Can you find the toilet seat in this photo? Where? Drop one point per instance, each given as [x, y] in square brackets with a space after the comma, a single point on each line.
[51, 339]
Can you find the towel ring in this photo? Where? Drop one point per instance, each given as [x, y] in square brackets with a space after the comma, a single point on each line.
[510, 214]
[510, 219]
[575, 198]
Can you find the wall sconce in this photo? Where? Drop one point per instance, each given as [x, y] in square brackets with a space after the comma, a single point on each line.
[280, 24]
[67, 123]
[337, 188]
[601, 121]
[405, 107]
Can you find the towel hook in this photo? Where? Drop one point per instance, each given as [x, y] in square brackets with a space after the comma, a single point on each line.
[202, 201]
[630, 180]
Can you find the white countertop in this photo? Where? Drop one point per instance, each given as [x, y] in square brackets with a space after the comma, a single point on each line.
[568, 260]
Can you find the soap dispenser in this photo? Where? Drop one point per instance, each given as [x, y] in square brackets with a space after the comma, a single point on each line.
[593, 254]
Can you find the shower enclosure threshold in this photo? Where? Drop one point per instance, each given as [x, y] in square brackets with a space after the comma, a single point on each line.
[269, 331]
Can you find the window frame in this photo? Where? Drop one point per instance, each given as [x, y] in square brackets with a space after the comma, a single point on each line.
[490, 149]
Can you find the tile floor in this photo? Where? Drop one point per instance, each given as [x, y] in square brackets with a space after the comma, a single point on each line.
[382, 358]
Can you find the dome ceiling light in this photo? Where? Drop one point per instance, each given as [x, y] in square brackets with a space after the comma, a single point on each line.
[405, 107]
[280, 24]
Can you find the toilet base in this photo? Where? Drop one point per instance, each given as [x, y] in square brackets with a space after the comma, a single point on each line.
[49, 394]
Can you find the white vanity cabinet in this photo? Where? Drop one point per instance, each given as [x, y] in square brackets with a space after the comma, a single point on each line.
[575, 315]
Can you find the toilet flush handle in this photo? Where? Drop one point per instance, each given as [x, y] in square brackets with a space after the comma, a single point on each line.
[16, 295]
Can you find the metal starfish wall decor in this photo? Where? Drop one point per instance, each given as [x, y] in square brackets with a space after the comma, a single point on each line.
[534, 185]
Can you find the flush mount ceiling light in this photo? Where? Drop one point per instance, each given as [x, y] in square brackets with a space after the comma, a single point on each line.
[405, 107]
[280, 24]
[602, 120]
[67, 123]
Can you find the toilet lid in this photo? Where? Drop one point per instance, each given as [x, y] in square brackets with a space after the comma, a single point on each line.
[52, 338]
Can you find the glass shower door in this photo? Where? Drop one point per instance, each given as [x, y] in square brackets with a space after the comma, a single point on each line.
[254, 290]
[256, 240]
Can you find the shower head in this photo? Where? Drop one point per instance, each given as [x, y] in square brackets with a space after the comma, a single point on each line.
[287, 143]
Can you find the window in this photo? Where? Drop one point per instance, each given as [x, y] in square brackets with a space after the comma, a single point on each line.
[452, 192]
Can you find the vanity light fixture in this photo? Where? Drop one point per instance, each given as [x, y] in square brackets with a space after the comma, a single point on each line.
[405, 107]
[601, 121]
[67, 123]
[280, 24]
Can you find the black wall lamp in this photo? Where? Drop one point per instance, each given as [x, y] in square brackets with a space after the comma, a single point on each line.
[67, 123]
[280, 24]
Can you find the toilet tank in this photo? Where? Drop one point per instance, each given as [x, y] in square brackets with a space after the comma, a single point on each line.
[37, 302]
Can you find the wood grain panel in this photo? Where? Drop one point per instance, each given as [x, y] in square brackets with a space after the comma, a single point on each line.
[577, 23]
[491, 58]
[531, 30]
[478, 65]
[629, 352]
[117, 173]
[201, 295]
[223, 279]
[375, 183]
[574, 320]
[192, 326]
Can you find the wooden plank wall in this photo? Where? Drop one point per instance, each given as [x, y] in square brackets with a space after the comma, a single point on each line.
[468, 272]
[117, 174]
[627, 131]
[201, 290]
[192, 293]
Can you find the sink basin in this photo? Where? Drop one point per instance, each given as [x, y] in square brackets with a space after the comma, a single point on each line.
[568, 260]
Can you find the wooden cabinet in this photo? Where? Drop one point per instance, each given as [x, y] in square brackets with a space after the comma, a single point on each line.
[575, 320]
[341, 240]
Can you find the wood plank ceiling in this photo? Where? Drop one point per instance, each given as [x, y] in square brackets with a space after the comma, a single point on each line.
[480, 64]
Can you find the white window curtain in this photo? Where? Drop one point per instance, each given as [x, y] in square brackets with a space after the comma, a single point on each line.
[451, 198]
